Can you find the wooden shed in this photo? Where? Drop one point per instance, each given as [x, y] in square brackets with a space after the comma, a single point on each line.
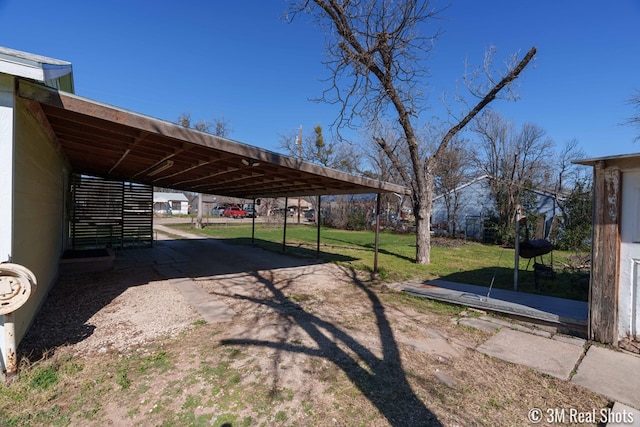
[614, 295]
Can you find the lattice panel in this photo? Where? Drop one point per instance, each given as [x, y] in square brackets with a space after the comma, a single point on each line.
[110, 213]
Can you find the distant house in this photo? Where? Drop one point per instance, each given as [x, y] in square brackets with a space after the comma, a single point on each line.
[476, 204]
[170, 203]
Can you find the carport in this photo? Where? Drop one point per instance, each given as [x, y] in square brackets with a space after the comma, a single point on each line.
[118, 145]
[51, 138]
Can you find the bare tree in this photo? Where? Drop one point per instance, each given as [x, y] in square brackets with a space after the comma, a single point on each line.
[376, 54]
[217, 126]
[568, 173]
[312, 148]
[635, 119]
[515, 162]
[315, 148]
[572, 190]
[349, 158]
[575, 225]
[452, 170]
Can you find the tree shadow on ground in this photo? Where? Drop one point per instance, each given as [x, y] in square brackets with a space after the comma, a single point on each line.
[371, 247]
[382, 381]
[65, 316]
[293, 249]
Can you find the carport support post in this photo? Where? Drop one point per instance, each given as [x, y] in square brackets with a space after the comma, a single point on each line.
[286, 214]
[318, 226]
[253, 223]
[375, 251]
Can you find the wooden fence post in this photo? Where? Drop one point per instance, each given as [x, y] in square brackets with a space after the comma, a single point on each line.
[605, 255]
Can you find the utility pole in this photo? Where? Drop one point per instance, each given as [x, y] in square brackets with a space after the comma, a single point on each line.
[299, 144]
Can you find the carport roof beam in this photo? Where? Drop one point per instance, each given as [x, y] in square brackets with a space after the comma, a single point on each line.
[94, 136]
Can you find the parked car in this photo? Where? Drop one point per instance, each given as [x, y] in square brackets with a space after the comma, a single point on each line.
[234, 212]
[250, 213]
[278, 211]
[310, 215]
[218, 211]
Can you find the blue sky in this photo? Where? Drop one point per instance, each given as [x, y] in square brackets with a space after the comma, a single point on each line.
[239, 60]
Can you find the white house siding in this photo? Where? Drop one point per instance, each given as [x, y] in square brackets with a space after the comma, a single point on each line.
[6, 164]
[179, 207]
[6, 183]
[178, 202]
[474, 201]
[40, 180]
[629, 278]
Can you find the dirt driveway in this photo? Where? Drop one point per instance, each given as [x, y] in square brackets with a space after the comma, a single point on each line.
[310, 344]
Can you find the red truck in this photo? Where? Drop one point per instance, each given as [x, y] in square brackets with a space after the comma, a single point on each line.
[234, 212]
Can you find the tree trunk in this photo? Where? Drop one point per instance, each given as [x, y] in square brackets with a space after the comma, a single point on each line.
[422, 209]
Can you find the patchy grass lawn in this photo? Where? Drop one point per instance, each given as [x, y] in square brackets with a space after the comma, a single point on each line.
[454, 260]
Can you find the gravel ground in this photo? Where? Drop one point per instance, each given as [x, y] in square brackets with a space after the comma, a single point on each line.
[102, 312]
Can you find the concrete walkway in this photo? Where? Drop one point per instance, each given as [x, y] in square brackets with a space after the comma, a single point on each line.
[551, 357]
[610, 373]
[176, 267]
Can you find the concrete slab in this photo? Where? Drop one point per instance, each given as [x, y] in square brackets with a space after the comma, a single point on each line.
[611, 373]
[516, 326]
[570, 340]
[540, 307]
[444, 378]
[480, 324]
[548, 356]
[211, 309]
[623, 415]
[435, 344]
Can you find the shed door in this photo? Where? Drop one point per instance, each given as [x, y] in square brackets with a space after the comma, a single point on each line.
[629, 287]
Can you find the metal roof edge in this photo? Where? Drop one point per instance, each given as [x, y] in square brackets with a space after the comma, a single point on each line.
[461, 186]
[593, 160]
[28, 65]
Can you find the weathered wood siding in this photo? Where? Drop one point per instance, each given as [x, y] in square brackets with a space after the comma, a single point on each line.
[603, 304]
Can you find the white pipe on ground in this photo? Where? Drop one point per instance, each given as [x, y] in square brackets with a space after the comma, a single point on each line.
[16, 283]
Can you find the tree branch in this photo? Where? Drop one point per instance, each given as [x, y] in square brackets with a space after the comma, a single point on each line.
[483, 103]
[395, 161]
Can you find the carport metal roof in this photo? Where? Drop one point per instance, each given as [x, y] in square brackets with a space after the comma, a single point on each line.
[108, 142]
